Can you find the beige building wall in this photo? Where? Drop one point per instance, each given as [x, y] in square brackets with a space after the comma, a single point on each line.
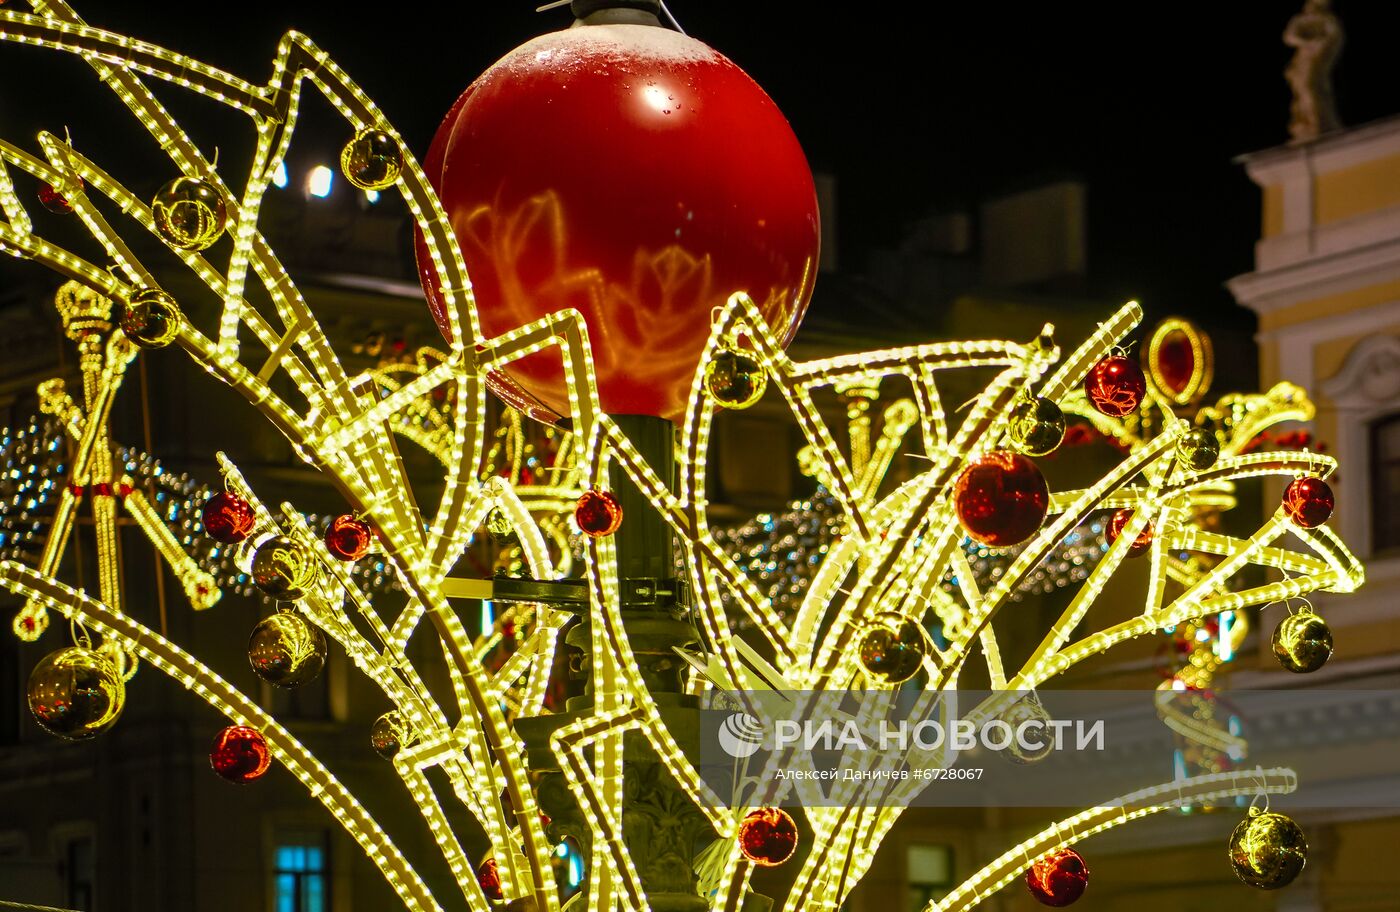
[1326, 289]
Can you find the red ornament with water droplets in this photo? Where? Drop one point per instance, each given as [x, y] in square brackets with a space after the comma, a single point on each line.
[1001, 499]
[1119, 521]
[598, 513]
[348, 538]
[228, 518]
[1115, 386]
[1058, 879]
[1308, 502]
[768, 836]
[240, 754]
[637, 176]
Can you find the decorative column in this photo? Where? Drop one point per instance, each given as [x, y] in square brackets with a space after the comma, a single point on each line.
[663, 830]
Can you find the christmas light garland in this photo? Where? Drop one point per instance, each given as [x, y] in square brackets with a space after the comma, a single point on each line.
[893, 556]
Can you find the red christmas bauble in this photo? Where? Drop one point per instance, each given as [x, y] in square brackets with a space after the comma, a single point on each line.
[1058, 879]
[1118, 522]
[228, 518]
[634, 174]
[768, 836]
[1176, 362]
[1308, 502]
[1001, 499]
[240, 754]
[598, 513]
[1115, 386]
[54, 201]
[488, 876]
[348, 538]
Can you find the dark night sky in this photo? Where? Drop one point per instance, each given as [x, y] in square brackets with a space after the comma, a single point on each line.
[911, 105]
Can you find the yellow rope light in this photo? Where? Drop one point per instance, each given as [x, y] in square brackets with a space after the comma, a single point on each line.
[896, 550]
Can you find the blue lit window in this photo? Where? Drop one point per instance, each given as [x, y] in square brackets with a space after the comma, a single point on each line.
[300, 875]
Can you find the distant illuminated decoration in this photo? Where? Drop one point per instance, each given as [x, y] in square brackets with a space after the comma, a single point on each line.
[319, 180]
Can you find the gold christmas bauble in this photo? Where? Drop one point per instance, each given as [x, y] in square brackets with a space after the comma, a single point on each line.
[389, 734]
[1268, 850]
[189, 213]
[1199, 449]
[372, 160]
[893, 649]
[151, 318]
[284, 569]
[735, 380]
[76, 693]
[1037, 427]
[287, 650]
[1302, 642]
[1030, 723]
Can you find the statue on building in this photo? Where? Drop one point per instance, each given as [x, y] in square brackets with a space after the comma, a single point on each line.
[1316, 35]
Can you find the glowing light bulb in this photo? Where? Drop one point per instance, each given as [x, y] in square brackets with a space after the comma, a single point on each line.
[279, 176]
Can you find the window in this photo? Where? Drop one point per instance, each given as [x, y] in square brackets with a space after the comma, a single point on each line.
[1385, 483]
[80, 872]
[929, 870]
[300, 873]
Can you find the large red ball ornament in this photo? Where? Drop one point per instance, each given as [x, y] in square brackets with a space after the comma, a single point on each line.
[1308, 502]
[228, 518]
[240, 754]
[1001, 499]
[638, 176]
[1058, 879]
[1115, 386]
[768, 836]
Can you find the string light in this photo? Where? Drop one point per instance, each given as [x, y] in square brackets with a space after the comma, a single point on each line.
[899, 551]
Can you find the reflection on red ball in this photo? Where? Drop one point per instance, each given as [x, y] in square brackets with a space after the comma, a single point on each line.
[228, 518]
[240, 754]
[488, 876]
[1119, 521]
[1115, 386]
[638, 176]
[1001, 499]
[52, 200]
[768, 836]
[598, 513]
[1058, 879]
[348, 538]
[1308, 502]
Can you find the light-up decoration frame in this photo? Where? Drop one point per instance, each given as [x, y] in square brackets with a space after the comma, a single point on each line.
[897, 548]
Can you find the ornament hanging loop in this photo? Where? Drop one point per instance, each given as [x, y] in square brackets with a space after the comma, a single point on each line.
[79, 633]
[1262, 795]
